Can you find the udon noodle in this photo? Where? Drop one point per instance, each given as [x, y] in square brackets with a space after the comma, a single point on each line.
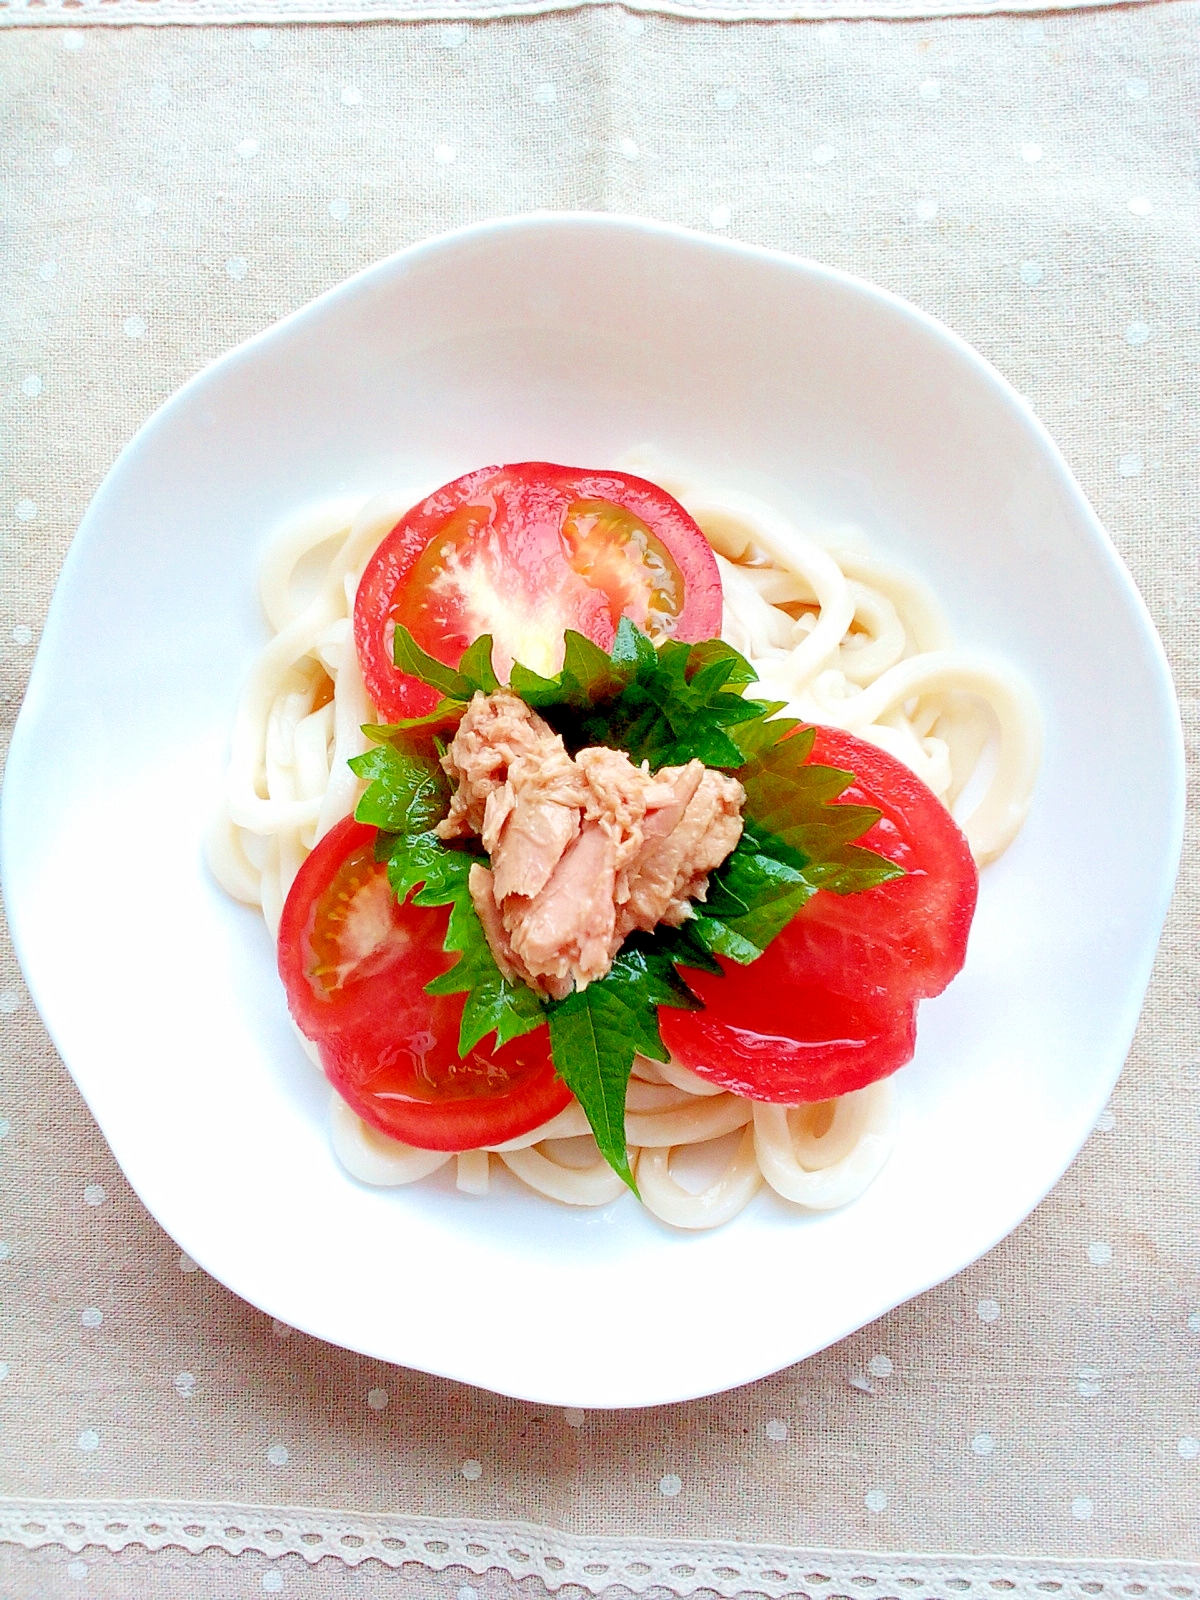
[841, 637]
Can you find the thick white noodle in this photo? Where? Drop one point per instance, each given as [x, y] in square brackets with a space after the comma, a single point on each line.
[890, 663]
[837, 635]
[859, 1135]
[372, 1157]
[689, 1124]
[728, 1194]
[288, 782]
[736, 526]
[568, 1124]
[473, 1172]
[594, 1185]
[672, 1072]
[994, 823]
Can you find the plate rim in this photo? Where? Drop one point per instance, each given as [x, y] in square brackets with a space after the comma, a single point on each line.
[25, 731]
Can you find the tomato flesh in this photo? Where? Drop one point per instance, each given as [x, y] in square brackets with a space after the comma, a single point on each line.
[523, 553]
[829, 1007]
[831, 1004]
[908, 936]
[355, 964]
[791, 1041]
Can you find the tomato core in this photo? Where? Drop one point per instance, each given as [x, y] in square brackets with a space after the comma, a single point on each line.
[616, 553]
[355, 963]
[352, 932]
[523, 553]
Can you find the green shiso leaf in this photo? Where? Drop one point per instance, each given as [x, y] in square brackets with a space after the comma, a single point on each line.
[596, 1032]
[407, 791]
[436, 874]
[664, 706]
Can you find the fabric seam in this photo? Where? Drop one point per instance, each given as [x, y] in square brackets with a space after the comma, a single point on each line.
[151, 13]
[527, 1550]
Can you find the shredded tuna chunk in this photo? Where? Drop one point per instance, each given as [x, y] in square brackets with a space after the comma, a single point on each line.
[681, 850]
[582, 850]
[496, 730]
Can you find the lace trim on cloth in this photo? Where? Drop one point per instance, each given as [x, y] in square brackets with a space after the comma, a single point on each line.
[523, 1550]
[81, 13]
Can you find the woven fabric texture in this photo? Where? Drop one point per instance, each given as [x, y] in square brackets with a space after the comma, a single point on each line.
[73, 13]
[143, 1548]
[1030, 181]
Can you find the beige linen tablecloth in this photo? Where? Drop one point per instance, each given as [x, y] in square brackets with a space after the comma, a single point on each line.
[1032, 182]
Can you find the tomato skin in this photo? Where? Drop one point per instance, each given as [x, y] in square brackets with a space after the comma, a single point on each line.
[510, 526]
[411, 954]
[796, 1042]
[831, 1004]
[376, 1075]
[354, 963]
[908, 936]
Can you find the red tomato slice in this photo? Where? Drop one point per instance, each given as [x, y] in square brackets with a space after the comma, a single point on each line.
[354, 964]
[830, 1006]
[524, 552]
[791, 1040]
[904, 937]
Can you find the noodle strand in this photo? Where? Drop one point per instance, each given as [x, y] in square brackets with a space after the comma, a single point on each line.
[836, 635]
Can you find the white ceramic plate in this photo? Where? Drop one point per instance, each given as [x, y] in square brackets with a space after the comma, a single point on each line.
[573, 338]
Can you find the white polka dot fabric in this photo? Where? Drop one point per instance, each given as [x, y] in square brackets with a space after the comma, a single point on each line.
[1030, 181]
